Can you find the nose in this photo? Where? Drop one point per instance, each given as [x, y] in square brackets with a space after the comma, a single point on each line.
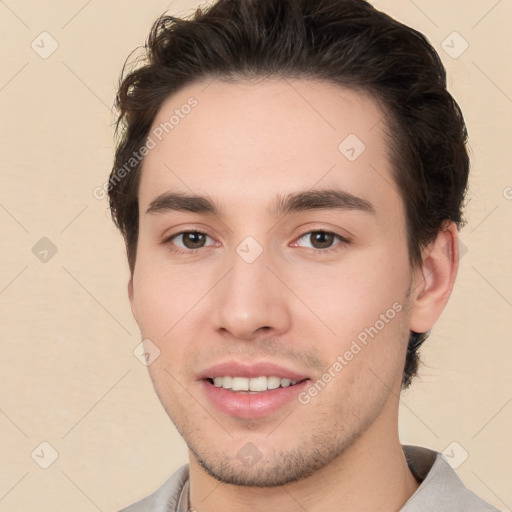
[251, 301]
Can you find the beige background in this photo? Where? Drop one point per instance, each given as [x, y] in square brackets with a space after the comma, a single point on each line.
[68, 373]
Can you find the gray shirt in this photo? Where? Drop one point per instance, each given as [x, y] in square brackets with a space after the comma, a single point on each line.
[440, 490]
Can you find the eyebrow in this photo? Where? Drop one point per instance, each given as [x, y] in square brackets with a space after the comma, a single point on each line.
[329, 199]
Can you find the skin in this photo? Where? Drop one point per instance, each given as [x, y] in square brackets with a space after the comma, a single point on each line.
[244, 143]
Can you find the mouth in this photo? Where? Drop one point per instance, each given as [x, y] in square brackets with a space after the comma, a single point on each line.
[252, 398]
[252, 385]
[252, 389]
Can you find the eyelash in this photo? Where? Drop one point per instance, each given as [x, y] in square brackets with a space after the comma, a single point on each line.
[189, 252]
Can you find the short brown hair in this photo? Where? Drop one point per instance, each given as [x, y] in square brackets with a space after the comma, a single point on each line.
[346, 42]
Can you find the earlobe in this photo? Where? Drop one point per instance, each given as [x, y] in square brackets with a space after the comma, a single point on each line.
[434, 279]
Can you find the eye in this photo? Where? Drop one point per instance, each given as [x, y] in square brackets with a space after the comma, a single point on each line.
[187, 241]
[322, 241]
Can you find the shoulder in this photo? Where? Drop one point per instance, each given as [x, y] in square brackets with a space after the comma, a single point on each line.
[441, 489]
[166, 497]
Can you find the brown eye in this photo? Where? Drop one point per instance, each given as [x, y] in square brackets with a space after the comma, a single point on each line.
[322, 241]
[189, 240]
[193, 240]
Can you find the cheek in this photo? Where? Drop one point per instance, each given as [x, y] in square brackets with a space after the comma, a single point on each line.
[171, 313]
[352, 295]
[363, 302]
[338, 301]
[159, 298]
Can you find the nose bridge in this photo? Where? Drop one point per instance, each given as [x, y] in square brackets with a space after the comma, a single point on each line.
[249, 297]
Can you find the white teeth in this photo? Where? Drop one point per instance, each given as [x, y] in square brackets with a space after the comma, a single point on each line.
[226, 382]
[253, 384]
[273, 382]
[258, 384]
[240, 384]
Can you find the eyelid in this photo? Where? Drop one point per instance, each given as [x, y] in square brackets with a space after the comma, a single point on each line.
[344, 240]
[167, 239]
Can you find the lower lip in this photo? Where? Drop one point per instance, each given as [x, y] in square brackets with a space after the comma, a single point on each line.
[251, 404]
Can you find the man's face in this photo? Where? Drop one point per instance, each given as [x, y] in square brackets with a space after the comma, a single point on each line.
[270, 293]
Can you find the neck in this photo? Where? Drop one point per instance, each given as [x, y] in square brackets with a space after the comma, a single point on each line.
[372, 474]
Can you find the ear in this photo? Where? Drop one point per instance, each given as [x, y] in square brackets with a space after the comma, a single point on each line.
[434, 279]
[132, 301]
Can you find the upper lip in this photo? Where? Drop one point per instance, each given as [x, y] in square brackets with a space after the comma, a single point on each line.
[249, 370]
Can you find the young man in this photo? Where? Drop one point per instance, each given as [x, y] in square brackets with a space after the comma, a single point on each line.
[289, 181]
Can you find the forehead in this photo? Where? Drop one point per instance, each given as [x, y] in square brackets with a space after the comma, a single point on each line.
[243, 142]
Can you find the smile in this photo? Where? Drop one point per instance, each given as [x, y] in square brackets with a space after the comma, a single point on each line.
[257, 384]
